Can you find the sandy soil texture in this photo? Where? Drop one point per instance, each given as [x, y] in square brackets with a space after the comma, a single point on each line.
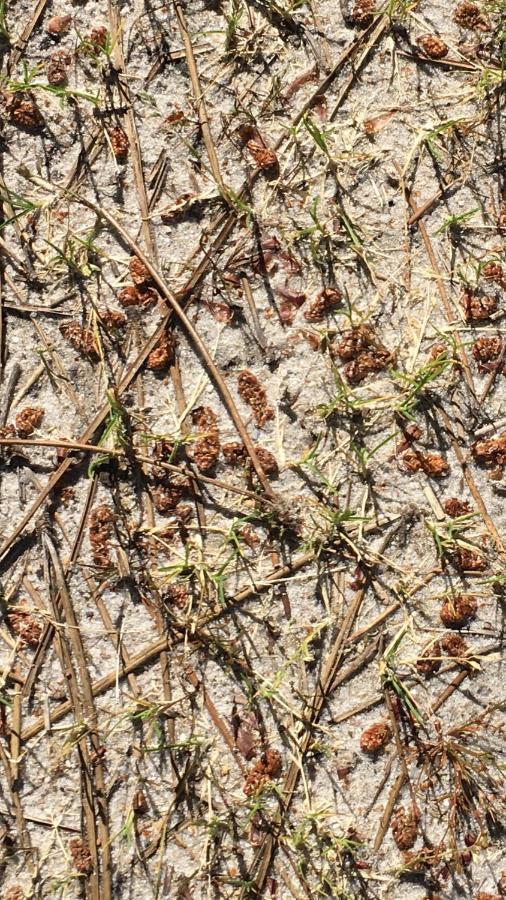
[252, 449]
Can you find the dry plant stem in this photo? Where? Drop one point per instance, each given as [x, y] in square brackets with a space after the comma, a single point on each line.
[36, 374]
[96, 448]
[76, 706]
[420, 212]
[389, 808]
[24, 843]
[88, 433]
[198, 97]
[9, 214]
[265, 854]
[16, 54]
[15, 735]
[86, 712]
[9, 393]
[15, 260]
[47, 634]
[89, 154]
[42, 820]
[356, 710]
[444, 696]
[223, 225]
[195, 339]
[217, 720]
[166, 643]
[260, 336]
[155, 613]
[131, 130]
[442, 290]
[2, 322]
[472, 485]
[15, 762]
[371, 36]
[402, 776]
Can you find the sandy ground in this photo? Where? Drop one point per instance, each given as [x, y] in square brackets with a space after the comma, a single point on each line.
[251, 640]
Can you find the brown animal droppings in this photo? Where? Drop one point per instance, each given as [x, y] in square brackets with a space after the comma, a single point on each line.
[267, 462]
[433, 464]
[363, 353]
[57, 70]
[410, 434]
[206, 450]
[362, 13]
[119, 142]
[458, 611]
[455, 645]
[469, 560]
[175, 595]
[23, 110]
[81, 856]
[98, 36]
[486, 351]
[139, 803]
[139, 272]
[491, 452]
[24, 625]
[255, 396]
[455, 508]
[204, 417]
[493, 271]
[13, 892]
[375, 737]
[264, 770]
[404, 828]
[432, 46]
[429, 662]
[128, 296]
[469, 15]
[236, 454]
[438, 351]
[291, 302]
[100, 530]
[327, 300]
[144, 295]
[112, 320]
[163, 452]
[162, 355]
[353, 343]
[166, 497]
[58, 25]
[28, 420]
[81, 339]
[264, 157]
[478, 307]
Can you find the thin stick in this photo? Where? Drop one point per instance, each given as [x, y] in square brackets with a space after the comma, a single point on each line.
[188, 327]
[89, 712]
[442, 289]
[88, 433]
[119, 452]
[198, 97]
